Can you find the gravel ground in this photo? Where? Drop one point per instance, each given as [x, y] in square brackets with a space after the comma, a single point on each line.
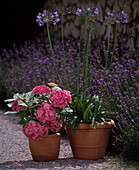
[15, 154]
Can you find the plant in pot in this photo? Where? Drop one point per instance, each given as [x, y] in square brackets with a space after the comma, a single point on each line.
[87, 122]
[39, 113]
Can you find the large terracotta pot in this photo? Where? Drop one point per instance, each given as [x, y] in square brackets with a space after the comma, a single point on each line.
[88, 143]
[45, 149]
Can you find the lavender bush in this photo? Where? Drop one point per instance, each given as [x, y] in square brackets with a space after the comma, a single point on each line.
[31, 65]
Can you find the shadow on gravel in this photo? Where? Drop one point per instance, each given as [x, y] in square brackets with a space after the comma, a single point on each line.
[66, 163]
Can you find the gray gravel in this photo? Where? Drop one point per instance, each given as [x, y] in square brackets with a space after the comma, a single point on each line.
[15, 154]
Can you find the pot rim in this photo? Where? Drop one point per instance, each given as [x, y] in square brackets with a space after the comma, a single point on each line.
[101, 125]
[48, 136]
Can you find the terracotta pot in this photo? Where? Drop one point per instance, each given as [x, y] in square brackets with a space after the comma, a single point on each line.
[88, 143]
[45, 149]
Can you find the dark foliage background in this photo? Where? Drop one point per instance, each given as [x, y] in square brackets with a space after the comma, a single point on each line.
[17, 22]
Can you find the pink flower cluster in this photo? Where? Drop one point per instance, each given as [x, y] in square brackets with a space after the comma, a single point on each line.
[35, 130]
[17, 107]
[56, 125]
[41, 89]
[45, 113]
[60, 98]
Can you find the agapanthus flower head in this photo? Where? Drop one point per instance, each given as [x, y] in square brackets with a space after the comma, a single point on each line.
[79, 12]
[45, 113]
[47, 17]
[62, 11]
[35, 130]
[42, 18]
[60, 98]
[116, 17]
[16, 106]
[89, 11]
[41, 90]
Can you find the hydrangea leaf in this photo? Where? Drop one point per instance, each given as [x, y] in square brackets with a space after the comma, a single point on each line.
[9, 104]
[29, 96]
[56, 88]
[10, 112]
[20, 102]
[9, 100]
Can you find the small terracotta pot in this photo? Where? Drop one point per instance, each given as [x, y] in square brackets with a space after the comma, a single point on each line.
[45, 149]
[88, 143]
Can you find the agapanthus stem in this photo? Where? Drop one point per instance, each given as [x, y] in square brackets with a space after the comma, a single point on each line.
[78, 81]
[115, 41]
[106, 62]
[87, 58]
[84, 63]
[64, 52]
[49, 38]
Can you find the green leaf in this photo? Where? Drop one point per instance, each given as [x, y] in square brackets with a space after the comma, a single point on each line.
[96, 105]
[10, 112]
[73, 122]
[17, 95]
[94, 123]
[85, 115]
[9, 100]
[35, 105]
[9, 104]
[29, 96]
[25, 118]
[101, 107]
[79, 105]
[56, 88]
[76, 127]
[20, 102]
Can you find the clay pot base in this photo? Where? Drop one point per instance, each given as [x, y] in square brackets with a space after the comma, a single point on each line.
[45, 149]
[88, 143]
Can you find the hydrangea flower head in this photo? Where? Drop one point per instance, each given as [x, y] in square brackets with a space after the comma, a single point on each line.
[56, 125]
[45, 113]
[60, 98]
[17, 107]
[35, 130]
[41, 89]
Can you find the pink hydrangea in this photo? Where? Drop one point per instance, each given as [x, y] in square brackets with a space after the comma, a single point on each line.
[41, 89]
[56, 125]
[17, 107]
[60, 98]
[45, 113]
[35, 130]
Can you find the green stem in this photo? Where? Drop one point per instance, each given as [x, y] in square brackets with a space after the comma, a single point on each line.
[49, 38]
[64, 52]
[78, 59]
[105, 63]
[87, 57]
[115, 41]
[84, 56]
